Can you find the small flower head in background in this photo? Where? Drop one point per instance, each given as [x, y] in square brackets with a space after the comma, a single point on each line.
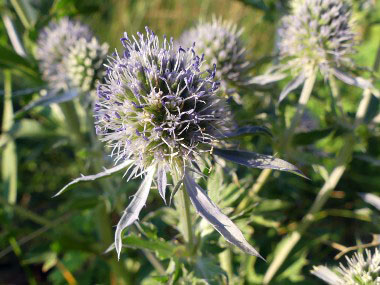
[84, 63]
[360, 269]
[54, 43]
[220, 43]
[317, 33]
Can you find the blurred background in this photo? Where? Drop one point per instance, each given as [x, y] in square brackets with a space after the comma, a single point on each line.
[45, 240]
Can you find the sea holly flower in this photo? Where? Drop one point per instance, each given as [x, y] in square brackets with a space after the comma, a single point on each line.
[316, 35]
[360, 269]
[161, 115]
[54, 44]
[221, 44]
[84, 63]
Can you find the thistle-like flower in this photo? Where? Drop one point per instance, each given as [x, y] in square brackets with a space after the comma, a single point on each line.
[54, 44]
[160, 114]
[317, 33]
[359, 270]
[220, 43]
[84, 63]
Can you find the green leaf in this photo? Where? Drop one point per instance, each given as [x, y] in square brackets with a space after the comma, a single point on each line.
[256, 160]
[162, 248]
[245, 131]
[208, 269]
[48, 100]
[258, 4]
[311, 137]
[27, 128]
[11, 60]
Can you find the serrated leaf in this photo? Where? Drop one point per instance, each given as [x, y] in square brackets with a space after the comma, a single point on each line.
[246, 130]
[211, 213]
[131, 213]
[292, 85]
[106, 172]
[256, 160]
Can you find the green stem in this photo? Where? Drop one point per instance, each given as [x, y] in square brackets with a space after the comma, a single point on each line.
[336, 102]
[184, 214]
[106, 236]
[301, 106]
[72, 121]
[225, 258]
[285, 140]
[343, 159]
[21, 13]
[9, 155]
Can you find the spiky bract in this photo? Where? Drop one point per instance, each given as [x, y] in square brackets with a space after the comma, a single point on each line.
[156, 106]
[220, 43]
[317, 33]
[54, 43]
[84, 63]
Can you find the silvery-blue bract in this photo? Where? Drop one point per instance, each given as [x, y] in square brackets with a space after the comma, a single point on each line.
[220, 42]
[54, 44]
[160, 114]
[360, 269]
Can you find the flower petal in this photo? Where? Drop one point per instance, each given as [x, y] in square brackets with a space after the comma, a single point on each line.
[209, 211]
[131, 213]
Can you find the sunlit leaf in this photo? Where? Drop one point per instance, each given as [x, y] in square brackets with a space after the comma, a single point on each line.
[209, 211]
[131, 213]
[106, 172]
[256, 160]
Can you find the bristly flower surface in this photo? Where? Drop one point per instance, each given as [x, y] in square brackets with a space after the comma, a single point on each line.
[160, 114]
[221, 44]
[317, 33]
[84, 63]
[53, 46]
[360, 269]
[157, 107]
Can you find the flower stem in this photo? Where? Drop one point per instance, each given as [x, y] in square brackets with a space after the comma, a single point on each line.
[301, 106]
[343, 159]
[72, 120]
[118, 271]
[285, 140]
[185, 215]
[9, 154]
